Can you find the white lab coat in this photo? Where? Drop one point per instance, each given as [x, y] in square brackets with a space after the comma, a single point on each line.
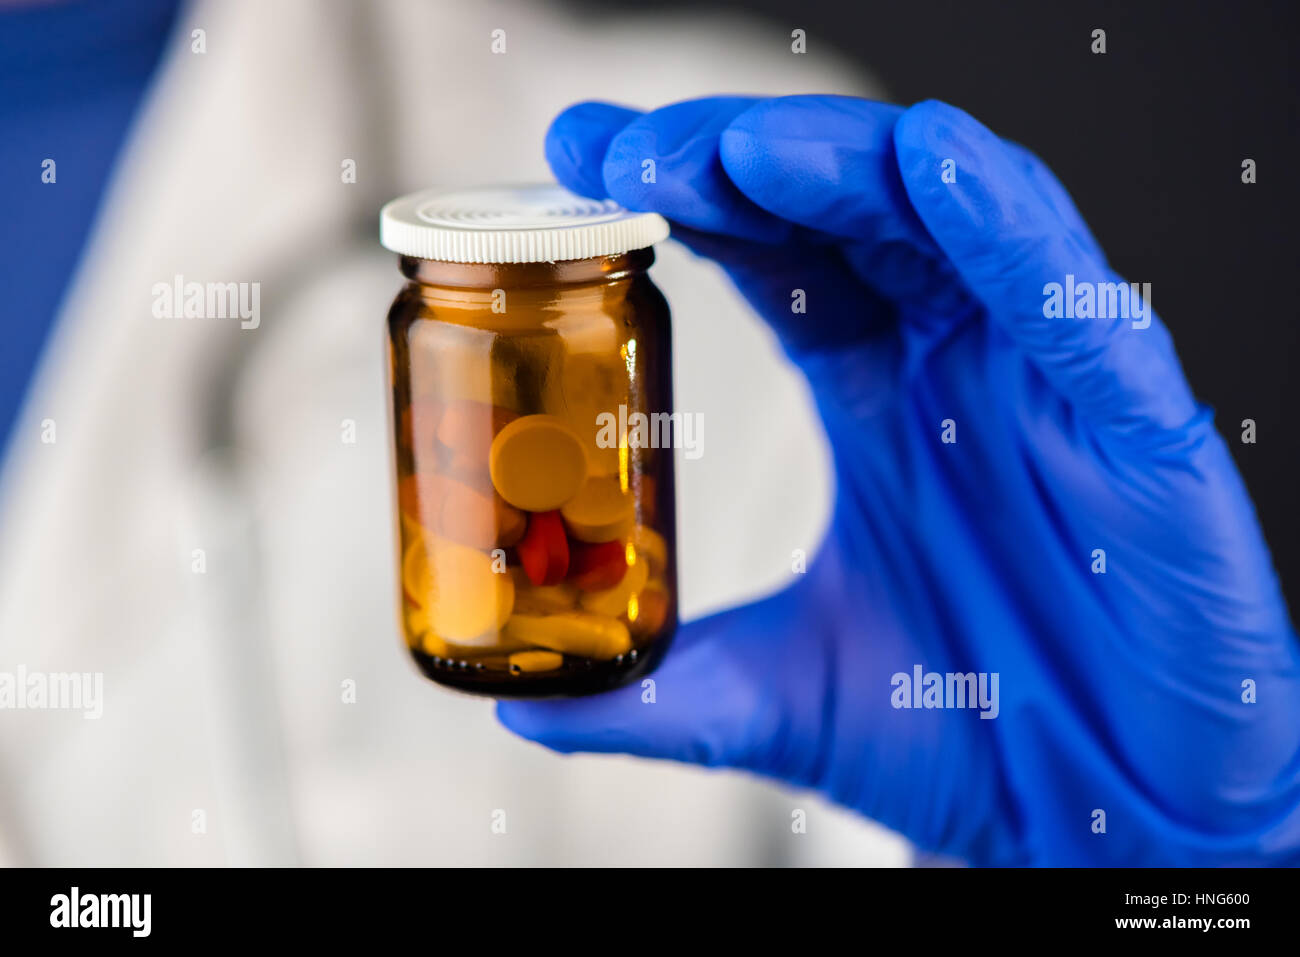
[200, 533]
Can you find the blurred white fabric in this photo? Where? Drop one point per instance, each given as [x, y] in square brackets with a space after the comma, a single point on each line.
[223, 690]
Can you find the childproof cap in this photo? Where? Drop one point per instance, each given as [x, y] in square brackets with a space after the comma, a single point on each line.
[513, 224]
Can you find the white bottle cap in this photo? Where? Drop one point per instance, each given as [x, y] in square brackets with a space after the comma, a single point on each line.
[513, 224]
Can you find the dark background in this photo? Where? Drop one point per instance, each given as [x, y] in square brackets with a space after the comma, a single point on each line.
[1149, 139]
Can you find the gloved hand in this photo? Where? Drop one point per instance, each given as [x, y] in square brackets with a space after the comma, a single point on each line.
[1119, 691]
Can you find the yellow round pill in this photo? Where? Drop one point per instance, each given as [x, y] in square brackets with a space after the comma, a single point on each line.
[600, 512]
[488, 655]
[417, 624]
[537, 463]
[613, 601]
[409, 529]
[533, 599]
[505, 597]
[464, 599]
[431, 644]
[650, 545]
[647, 615]
[573, 633]
[593, 381]
[415, 572]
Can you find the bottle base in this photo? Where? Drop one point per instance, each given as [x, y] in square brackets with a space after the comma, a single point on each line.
[574, 678]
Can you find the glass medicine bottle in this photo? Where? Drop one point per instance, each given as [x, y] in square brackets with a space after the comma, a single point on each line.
[535, 518]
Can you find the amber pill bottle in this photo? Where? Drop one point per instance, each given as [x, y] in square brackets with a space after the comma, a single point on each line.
[530, 370]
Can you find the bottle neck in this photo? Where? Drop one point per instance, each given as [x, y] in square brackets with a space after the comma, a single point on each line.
[570, 272]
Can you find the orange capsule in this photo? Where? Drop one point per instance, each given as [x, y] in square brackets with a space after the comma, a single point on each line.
[471, 471]
[420, 498]
[468, 428]
[419, 424]
[479, 519]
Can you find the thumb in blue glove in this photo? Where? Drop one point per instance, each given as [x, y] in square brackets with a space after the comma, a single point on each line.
[925, 246]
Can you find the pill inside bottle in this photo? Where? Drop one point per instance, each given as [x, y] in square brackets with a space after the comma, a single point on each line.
[535, 541]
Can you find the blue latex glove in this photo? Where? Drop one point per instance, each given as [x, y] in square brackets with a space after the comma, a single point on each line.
[1120, 692]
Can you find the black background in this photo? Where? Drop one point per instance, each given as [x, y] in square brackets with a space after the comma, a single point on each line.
[1149, 138]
